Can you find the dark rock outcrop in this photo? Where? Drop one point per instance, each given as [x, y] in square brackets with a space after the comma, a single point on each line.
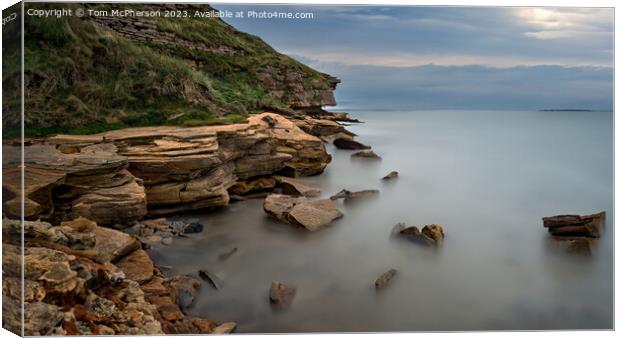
[349, 144]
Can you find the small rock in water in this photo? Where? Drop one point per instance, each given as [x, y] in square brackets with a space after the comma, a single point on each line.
[280, 294]
[228, 253]
[422, 237]
[349, 143]
[367, 153]
[392, 174]
[575, 225]
[214, 280]
[193, 228]
[384, 278]
[225, 328]
[434, 231]
[346, 194]
[166, 241]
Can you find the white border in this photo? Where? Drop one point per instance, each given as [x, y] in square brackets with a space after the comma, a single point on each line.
[505, 3]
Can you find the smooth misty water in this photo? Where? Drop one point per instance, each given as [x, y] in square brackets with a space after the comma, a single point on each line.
[488, 177]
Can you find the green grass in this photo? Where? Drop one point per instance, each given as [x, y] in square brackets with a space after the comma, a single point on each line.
[82, 78]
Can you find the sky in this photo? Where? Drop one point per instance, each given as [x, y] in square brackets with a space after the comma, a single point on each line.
[450, 57]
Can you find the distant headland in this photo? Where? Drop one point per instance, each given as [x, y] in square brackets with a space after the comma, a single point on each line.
[563, 109]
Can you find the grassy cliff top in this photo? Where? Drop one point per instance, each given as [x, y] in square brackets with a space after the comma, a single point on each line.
[90, 74]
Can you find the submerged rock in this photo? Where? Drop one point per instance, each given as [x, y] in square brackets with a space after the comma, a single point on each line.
[281, 294]
[311, 214]
[192, 228]
[347, 195]
[581, 246]
[227, 254]
[366, 154]
[214, 280]
[575, 225]
[390, 175]
[384, 278]
[185, 289]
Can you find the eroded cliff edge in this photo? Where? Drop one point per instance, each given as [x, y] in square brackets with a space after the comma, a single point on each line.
[121, 176]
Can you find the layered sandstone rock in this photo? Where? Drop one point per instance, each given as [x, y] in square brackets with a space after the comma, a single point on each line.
[82, 279]
[91, 182]
[576, 234]
[310, 214]
[118, 177]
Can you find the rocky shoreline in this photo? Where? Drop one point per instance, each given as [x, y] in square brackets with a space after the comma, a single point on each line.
[94, 206]
[91, 203]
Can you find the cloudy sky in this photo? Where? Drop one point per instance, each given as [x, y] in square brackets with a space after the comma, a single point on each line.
[451, 57]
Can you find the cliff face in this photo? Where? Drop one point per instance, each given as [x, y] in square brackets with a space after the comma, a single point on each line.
[90, 74]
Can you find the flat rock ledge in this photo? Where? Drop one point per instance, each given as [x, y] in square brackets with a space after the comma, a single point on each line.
[310, 214]
[117, 177]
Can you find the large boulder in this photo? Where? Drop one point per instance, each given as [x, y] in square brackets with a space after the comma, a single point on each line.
[310, 214]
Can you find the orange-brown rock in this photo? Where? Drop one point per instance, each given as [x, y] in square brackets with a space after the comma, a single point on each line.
[137, 266]
[576, 225]
[310, 214]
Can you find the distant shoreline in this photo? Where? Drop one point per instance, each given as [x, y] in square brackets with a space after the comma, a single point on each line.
[577, 110]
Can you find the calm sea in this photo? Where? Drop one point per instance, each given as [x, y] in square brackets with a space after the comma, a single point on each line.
[487, 176]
